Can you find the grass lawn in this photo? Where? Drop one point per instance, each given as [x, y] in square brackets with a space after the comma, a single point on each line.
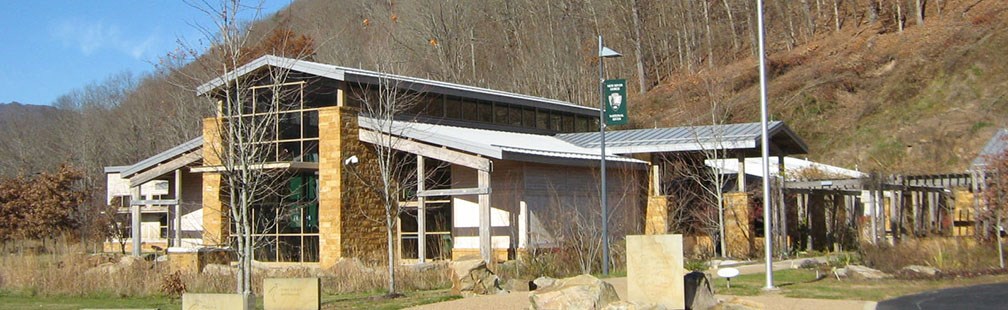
[371, 301]
[802, 283]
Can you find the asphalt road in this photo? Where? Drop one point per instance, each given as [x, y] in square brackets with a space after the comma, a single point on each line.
[987, 296]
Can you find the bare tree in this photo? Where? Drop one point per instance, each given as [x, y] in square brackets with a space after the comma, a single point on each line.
[249, 110]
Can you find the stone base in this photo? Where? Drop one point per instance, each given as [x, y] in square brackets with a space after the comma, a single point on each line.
[655, 270]
[191, 301]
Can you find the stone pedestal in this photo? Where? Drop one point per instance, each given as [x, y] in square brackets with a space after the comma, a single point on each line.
[191, 301]
[655, 270]
[291, 293]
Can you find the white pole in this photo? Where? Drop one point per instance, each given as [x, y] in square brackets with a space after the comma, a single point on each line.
[767, 240]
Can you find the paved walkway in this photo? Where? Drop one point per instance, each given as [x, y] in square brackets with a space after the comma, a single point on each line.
[520, 300]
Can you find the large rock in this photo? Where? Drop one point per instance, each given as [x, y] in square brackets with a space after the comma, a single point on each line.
[580, 292]
[517, 285]
[626, 305]
[859, 272]
[917, 270]
[473, 277]
[698, 292]
[543, 282]
[739, 304]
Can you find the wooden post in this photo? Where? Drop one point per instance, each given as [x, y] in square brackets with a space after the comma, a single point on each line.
[177, 220]
[782, 173]
[135, 219]
[486, 249]
[741, 174]
[421, 211]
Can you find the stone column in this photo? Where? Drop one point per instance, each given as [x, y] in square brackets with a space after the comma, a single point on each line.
[738, 231]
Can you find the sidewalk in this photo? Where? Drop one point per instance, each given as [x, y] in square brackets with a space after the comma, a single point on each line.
[520, 300]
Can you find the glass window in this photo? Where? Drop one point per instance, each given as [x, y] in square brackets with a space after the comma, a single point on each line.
[556, 123]
[528, 117]
[470, 110]
[453, 109]
[581, 124]
[568, 123]
[485, 112]
[311, 122]
[434, 105]
[501, 113]
[515, 114]
[290, 125]
[542, 120]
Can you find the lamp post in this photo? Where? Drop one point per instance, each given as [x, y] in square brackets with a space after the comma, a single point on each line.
[603, 53]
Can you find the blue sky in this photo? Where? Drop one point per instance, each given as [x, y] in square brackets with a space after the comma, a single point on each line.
[52, 47]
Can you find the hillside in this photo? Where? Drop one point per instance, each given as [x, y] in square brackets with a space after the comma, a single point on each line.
[924, 100]
[862, 93]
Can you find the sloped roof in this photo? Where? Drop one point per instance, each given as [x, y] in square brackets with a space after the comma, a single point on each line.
[159, 158]
[791, 165]
[412, 83]
[694, 138]
[490, 143]
[995, 146]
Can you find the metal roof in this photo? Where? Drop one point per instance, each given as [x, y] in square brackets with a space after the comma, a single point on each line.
[152, 161]
[694, 138]
[995, 146]
[791, 166]
[412, 83]
[490, 143]
[115, 169]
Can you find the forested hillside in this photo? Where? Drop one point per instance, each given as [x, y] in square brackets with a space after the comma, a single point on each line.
[880, 85]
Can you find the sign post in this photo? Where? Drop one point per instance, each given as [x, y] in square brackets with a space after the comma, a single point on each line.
[615, 97]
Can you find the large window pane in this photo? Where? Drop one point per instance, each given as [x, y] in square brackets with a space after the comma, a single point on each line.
[453, 109]
[311, 121]
[500, 113]
[290, 249]
[528, 117]
[485, 112]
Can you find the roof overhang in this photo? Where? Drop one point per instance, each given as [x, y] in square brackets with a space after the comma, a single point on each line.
[490, 143]
[744, 139]
[372, 77]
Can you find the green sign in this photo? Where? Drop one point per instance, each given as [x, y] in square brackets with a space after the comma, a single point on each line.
[615, 102]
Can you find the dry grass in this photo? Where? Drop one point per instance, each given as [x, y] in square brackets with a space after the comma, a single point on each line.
[63, 272]
[951, 255]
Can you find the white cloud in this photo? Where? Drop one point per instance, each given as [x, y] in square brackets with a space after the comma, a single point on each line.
[93, 36]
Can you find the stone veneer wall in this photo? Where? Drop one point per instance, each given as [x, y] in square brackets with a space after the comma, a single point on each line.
[214, 215]
[656, 221]
[351, 216]
[962, 213]
[737, 228]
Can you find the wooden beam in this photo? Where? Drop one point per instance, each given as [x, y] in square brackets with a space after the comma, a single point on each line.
[455, 192]
[486, 249]
[439, 153]
[167, 167]
[162, 202]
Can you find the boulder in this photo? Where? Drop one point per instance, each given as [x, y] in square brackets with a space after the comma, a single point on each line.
[918, 270]
[580, 292]
[517, 285]
[627, 305]
[739, 304]
[473, 277]
[542, 282]
[698, 292]
[859, 272]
